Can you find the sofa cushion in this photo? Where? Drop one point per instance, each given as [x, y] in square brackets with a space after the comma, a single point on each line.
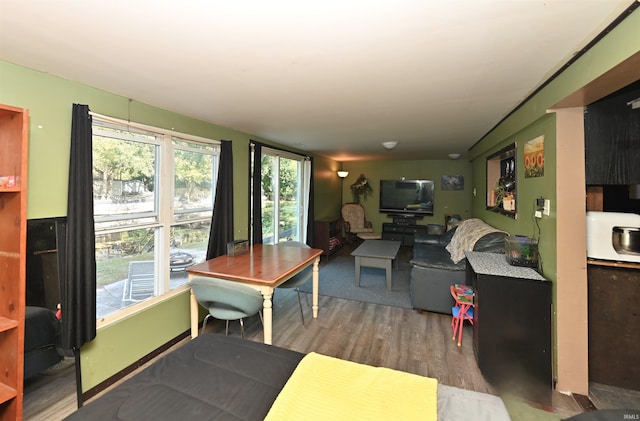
[435, 256]
[491, 243]
[421, 237]
[467, 234]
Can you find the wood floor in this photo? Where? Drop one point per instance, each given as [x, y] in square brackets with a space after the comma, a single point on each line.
[392, 337]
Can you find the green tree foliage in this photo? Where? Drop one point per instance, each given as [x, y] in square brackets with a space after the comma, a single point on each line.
[192, 172]
[117, 160]
[288, 178]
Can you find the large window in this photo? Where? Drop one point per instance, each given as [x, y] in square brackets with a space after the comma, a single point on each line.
[284, 196]
[153, 202]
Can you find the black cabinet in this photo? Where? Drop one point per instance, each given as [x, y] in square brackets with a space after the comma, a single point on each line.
[612, 139]
[401, 232]
[328, 235]
[614, 324]
[512, 324]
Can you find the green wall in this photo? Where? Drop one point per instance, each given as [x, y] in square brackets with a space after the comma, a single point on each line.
[327, 188]
[445, 202]
[532, 119]
[528, 189]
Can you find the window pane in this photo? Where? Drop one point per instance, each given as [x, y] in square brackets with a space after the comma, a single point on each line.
[143, 248]
[124, 177]
[125, 269]
[188, 247]
[193, 184]
[269, 190]
[289, 215]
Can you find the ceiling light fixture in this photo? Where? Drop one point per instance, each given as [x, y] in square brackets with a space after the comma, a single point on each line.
[389, 145]
[343, 174]
[454, 155]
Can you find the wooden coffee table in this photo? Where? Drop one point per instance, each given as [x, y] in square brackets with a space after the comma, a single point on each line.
[376, 254]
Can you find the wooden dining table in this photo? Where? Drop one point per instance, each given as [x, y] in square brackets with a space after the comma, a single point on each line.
[263, 267]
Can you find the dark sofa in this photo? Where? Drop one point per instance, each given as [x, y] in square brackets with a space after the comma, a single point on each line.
[432, 267]
[42, 340]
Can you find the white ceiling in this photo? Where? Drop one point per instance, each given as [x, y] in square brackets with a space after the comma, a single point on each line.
[330, 77]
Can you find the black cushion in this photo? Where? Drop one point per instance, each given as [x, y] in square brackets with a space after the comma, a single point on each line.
[421, 237]
[491, 243]
[435, 256]
[429, 253]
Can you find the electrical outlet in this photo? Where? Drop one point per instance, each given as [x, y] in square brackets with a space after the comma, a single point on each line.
[547, 207]
[538, 214]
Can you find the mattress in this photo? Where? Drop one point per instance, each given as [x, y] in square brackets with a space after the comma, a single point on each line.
[214, 377]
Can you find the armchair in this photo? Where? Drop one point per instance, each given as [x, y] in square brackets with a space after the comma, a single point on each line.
[354, 222]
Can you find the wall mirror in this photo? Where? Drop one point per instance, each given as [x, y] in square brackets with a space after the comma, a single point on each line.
[502, 181]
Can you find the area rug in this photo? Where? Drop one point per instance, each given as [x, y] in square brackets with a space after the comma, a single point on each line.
[338, 279]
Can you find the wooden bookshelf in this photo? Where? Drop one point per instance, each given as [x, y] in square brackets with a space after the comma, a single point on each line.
[14, 142]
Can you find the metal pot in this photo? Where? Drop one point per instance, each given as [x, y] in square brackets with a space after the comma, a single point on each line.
[626, 240]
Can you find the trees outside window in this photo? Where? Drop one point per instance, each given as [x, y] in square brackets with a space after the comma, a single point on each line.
[153, 203]
[282, 196]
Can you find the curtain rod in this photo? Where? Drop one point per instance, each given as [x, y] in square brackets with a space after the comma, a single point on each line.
[153, 128]
[255, 142]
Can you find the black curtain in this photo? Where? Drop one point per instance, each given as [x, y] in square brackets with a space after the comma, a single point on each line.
[79, 284]
[256, 192]
[222, 221]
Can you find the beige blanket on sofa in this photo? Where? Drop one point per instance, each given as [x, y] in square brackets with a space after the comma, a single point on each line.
[468, 233]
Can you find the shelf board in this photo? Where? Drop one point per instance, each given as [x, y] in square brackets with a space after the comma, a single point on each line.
[7, 393]
[7, 324]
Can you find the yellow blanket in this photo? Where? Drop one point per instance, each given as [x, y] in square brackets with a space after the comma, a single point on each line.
[327, 388]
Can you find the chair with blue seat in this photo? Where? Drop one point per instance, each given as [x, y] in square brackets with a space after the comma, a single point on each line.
[226, 300]
[299, 280]
[461, 311]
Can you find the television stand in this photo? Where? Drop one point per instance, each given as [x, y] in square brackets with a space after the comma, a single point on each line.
[403, 231]
[405, 219]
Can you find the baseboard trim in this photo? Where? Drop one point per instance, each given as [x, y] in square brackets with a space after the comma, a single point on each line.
[131, 368]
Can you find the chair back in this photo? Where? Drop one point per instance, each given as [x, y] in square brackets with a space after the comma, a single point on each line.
[460, 310]
[302, 277]
[227, 300]
[353, 214]
[294, 244]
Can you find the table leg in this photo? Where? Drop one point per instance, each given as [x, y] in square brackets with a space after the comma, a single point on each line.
[357, 271]
[267, 316]
[194, 315]
[388, 270]
[315, 287]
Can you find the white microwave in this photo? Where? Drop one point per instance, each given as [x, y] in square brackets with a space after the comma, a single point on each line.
[600, 235]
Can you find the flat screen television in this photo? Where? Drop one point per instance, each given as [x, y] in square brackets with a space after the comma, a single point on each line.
[411, 197]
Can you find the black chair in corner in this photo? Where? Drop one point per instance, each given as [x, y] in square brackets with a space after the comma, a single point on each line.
[299, 280]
